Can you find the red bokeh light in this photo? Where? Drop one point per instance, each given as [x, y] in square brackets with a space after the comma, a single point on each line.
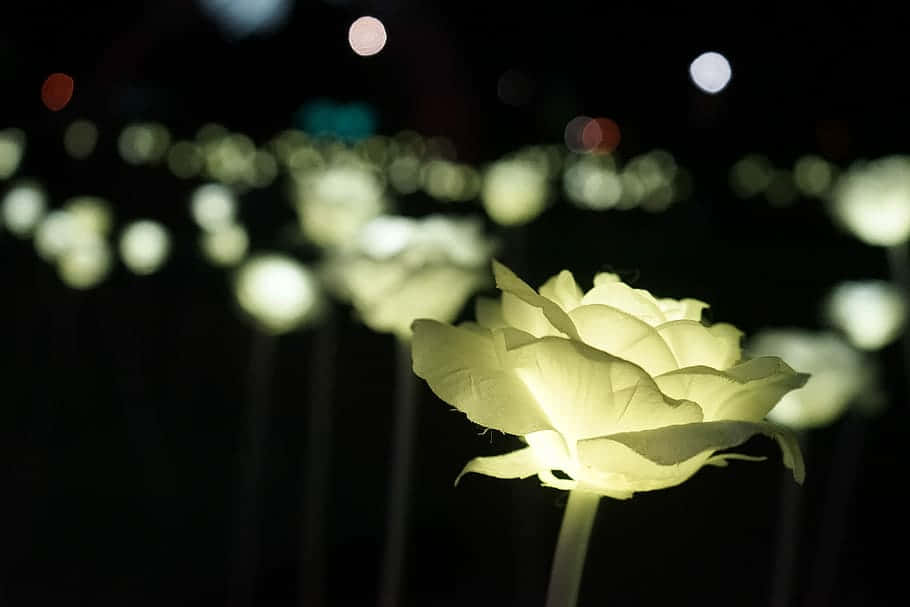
[600, 136]
[57, 91]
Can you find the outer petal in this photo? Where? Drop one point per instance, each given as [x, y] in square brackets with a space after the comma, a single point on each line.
[462, 368]
[518, 313]
[613, 466]
[682, 309]
[694, 344]
[489, 313]
[635, 302]
[745, 392]
[563, 289]
[507, 281]
[586, 392]
[517, 464]
[673, 445]
[625, 336]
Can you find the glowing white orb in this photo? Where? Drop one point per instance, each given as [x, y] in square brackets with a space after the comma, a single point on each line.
[22, 208]
[872, 200]
[86, 263]
[144, 246]
[514, 191]
[367, 36]
[12, 147]
[279, 292]
[225, 246]
[871, 313]
[710, 72]
[213, 206]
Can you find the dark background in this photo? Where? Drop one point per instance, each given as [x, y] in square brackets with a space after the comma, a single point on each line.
[122, 408]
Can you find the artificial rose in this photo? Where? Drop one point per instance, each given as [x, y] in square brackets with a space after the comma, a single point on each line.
[618, 390]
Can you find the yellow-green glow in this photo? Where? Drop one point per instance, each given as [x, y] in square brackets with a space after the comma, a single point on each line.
[277, 291]
[185, 159]
[231, 159]
[22, 208]
[144, 143]
[840, 375]
[619, 390]
[86, 263]
[91, 214]
[514, 192]
[74, 239]
[12, 148]
[402, 269]
[872, 313]
[213, 206]
[872, 200]
[404, 174]
[449, 181]
[334, 204]
[54, 234]
[226, 246]
[751, 175]
[80, 138]
[265, 169]
[813, 175]
[144, 246]
[592, 182]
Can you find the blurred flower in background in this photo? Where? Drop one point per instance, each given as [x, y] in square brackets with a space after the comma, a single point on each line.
[400, 269]
[278, 292]
[872, 200]
[871, 313]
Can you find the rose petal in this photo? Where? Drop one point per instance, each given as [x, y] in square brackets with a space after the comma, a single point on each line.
[508, 282]
[462, 368]
[745, 392]
[563, 290]
[585, 392]
[625, 336]
[694, 344]
[635, 302]
[517, 464]
[675, 445]
[682, 309]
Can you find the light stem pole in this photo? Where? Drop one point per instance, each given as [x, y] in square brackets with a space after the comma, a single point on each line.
[571, 549]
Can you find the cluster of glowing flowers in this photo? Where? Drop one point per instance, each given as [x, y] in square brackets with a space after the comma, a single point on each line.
[75, 239]
[619, 391]
[278, 292]
[224, 241]
[514, 191]
[652, 181]
[870, 313]
[12, 148]
[872, 200]
[22, 208]
[840, 376]
[234, 159]
[334, 203]
[401, 269]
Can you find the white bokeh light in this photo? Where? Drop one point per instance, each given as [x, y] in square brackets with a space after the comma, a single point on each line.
[22, 208]
[871, 313]
[710, 72]
[279, 292]
[144, 246]
[213, 206]
[367, 36]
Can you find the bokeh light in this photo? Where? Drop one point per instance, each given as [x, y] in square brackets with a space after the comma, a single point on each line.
[80, 138]
[813, 175]
[600, 136]
[144, 143]
[367, 36]
[144, 246]
[57, 91]
[22, 208]
[872, 200]
[242, 18]
[12, 148]
[574, 134]
[710, 72]
[185, 159]
[514, 191]
[751, 175]
[213, 206]
[225, 246]
[871, 313]
[277, 291]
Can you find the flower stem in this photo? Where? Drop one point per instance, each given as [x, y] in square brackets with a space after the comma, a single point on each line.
[571, 548]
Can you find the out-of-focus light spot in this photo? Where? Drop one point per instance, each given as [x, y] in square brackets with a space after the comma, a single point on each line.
[54, 235]
[210, 132]
[449, 181]
[514, 192]
[348, 121]
[574, 134]
[871, 313]
[751, 175]
[813, 175]
[404, 174]
[839, 375]
[367, 36]
[514, 88]
[80, 138]
[232, 159]
[387, 236]
[86, 263]
[241, 18]
[710, 72]
[145, 143]
[592, 184]
[185, 159]
[144, 246]
[872, 200]
[781, 191]
[22, 208]
[213, 206]
[12, 147]
[334, 203]
[226, 246]
[600, 135]
[57, 91]
[90, 214]
[277, 291]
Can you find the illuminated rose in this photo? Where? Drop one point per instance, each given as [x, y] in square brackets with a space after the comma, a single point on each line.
[618, 390]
